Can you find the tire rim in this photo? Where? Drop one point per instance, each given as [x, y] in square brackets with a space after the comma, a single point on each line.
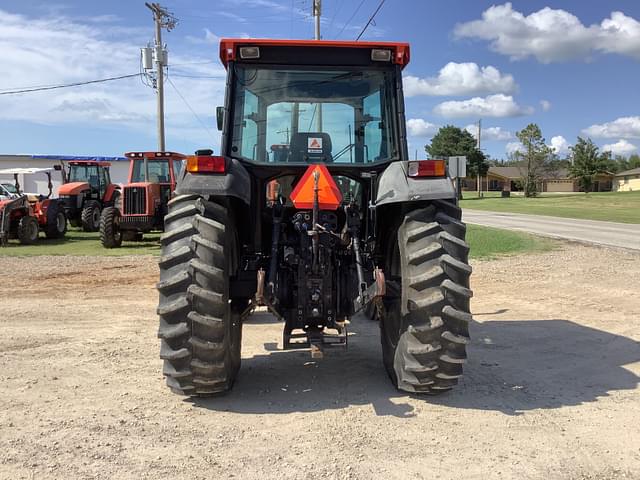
[61, 222]
[33, 229]
[117, 233]
[96, 217]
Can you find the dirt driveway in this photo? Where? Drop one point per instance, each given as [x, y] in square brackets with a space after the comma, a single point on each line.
[551, 387]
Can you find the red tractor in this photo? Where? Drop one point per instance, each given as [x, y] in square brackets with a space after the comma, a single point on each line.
[87, 190]
[143, 202]
[24, 215]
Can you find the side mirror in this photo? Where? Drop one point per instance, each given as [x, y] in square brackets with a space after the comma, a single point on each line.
[57, 167]
[220, 117]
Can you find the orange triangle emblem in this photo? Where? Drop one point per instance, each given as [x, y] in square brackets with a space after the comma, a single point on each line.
[329, 196]
[314, 143]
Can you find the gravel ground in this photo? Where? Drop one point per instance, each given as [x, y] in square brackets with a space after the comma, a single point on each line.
[550, 391]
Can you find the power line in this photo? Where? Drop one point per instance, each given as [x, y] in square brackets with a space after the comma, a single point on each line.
[351, 18]
[174, 74]
[67, 85]
[371, 19]
[335, 13]
[189, 107]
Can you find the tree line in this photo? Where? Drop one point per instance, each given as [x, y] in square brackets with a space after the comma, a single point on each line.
[535, 159]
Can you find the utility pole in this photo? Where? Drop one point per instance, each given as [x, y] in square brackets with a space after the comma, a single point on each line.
[317, 11]
[478, 147]
[162, 19]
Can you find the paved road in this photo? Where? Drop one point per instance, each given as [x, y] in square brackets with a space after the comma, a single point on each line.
[591, 231]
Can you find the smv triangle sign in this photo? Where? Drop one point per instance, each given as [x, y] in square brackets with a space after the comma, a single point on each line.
[329, 196]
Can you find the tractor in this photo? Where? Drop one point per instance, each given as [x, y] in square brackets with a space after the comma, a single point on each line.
[143, 202]
[333, 220]
[86, 191]
[25, 215]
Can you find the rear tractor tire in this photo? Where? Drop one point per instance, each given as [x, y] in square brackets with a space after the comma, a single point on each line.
[110, 233]
[90, 217]
[56, 221]
[28, 230]
[425, 331]
[200, 329]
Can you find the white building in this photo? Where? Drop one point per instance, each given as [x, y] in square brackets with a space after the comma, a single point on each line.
[37, 183]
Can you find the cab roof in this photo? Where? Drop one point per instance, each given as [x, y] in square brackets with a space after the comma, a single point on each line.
[229, 47]
[149, 155]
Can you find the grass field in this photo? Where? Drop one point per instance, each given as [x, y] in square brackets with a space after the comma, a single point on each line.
[82, 243]
[621, 207]
[485, 242]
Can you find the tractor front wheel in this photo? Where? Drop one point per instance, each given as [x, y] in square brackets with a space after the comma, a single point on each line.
[91, 216]
[56, 221]
[28, 230]
[425, 329]
[200, 328]
[110, 233]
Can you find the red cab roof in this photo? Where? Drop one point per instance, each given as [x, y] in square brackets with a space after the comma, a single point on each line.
[142, 155]
[228, 47]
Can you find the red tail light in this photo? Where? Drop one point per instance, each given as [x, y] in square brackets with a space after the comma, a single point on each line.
[427, 168]
[206, 164]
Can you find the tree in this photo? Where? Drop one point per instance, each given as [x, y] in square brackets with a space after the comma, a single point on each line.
[452, 141]
[477, 163]
[534, 159]
[633, 161]
[588, 162]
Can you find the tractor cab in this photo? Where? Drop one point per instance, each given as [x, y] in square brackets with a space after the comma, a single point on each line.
[90, 177]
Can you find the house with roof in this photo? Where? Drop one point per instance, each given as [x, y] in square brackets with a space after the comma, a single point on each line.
[627, 181]
[511, 178]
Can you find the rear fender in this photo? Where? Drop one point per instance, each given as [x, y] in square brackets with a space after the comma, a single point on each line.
[236, 182]
[395, 186]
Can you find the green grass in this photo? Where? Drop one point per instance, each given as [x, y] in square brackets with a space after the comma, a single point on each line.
[81, 243]
[621, 207]
[488, 243]
[485, 242]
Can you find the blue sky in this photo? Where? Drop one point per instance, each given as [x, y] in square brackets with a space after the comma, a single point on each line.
[570, 66]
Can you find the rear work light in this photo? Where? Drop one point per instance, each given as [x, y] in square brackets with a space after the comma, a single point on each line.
[206, 164]
[249, 52]
[379, 55]
[426, 168]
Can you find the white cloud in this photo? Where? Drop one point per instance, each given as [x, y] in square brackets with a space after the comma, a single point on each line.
[560, 145]
[623, 127]
[490, 133]
[209, 38]
[513, 147]
[461, 79]
[552, 35]
[498, 105]
[546, 105]
[621, 147]
[58, 49]
[417, 127]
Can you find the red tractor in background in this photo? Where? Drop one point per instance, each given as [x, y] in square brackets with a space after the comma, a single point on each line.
[143, 202]
[86, 191]
[24, 215]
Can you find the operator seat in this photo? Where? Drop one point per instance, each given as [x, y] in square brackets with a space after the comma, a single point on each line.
[311, 147]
